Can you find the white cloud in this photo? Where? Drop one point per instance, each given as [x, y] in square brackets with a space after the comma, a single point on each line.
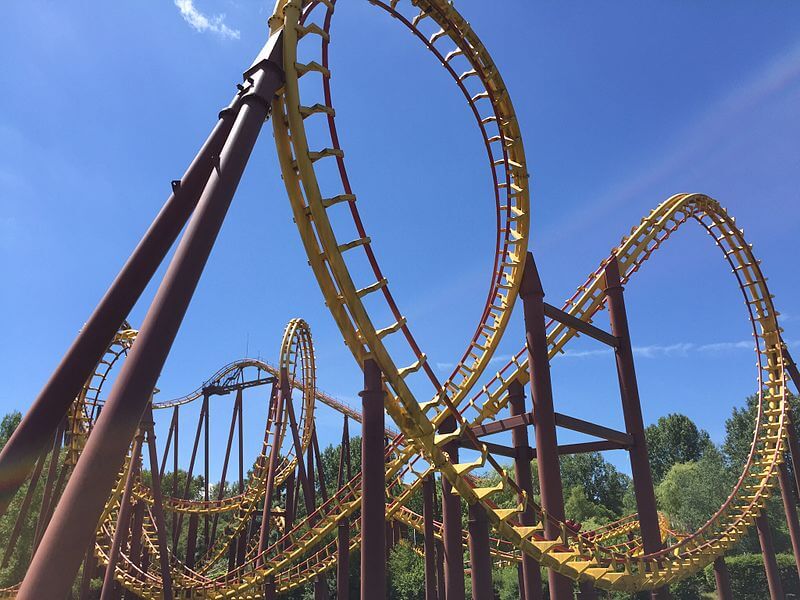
[679, 349]
[200, 22]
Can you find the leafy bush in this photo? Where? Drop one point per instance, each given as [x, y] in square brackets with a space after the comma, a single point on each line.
[749, 581]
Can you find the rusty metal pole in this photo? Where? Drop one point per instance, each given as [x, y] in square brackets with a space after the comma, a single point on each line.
[373, 486]
[531, 582]
[480, 561]
[82, 502]
[40, 421]
[440, 591]
[343, 533]
[587, 591]
[135, 551]
[191, 539]
[544, 419]
[452, 533]
[343, 560]
[89, 567]
[428, 490]
[790, 510]
[722, 579]
[123, 520]
[794, 446]
[158, 506]
[632, 412]
[768, 554]
[274, 455]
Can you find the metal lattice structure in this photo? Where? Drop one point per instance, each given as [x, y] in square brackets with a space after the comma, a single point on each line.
[257, 540]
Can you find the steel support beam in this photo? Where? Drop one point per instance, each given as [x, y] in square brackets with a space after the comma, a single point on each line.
[480, 560]
[722, 579]
[81, 505]
[632, 412]
[343, 560]
[768, 554]
[552, 495]
[530, 571]
[123, 520]
[452, 533]
[790, 510]
[284, 395]
[429, 541]
[373, 486]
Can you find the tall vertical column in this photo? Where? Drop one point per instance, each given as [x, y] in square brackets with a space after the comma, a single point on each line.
[81, 505]
[123, 521]
[480, 561]
[440, 591]
[768, 554]
[452, 533]
[158, 505]
[544, 419]
[278, 400]
[531, 574]
[429, 541]
[790, 510]
[632, 412]
[373, 492]
[343, 533]
[722, 579]
[343, 560]
[587, 591]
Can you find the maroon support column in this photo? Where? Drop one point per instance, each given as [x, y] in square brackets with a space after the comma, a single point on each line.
[158, 506]
[544, 419]
[441, 594]
[722, 579]
[191, 540]
[452, 534]
[283, 395]
[373, 492]
[480, 561]
[531, 581]
[123, 520]
[587, 591]
[81, 504]
[343, 560]
[37, 426]
[790, 510]
[770, 561]
[428, 491]
[632, 411]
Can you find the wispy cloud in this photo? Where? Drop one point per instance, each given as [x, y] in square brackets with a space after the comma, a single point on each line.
[677, 350]
[202, 23]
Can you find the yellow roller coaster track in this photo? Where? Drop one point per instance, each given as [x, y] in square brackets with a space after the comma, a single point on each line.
[303, 552]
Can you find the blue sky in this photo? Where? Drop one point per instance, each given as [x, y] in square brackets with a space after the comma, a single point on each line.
[621, 105]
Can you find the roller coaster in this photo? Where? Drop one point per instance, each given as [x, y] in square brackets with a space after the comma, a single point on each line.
[89, 436]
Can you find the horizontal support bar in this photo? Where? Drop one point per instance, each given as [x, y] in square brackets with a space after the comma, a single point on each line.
[503, 425]
[578, 325]
[585, 447]
[581, 426]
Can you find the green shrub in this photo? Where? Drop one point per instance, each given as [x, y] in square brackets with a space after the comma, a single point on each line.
[749, 581]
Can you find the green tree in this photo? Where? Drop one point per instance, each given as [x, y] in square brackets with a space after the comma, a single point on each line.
[600, 481]
[8, 425]
[693, 491]
[672, 440]
[406, 573]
